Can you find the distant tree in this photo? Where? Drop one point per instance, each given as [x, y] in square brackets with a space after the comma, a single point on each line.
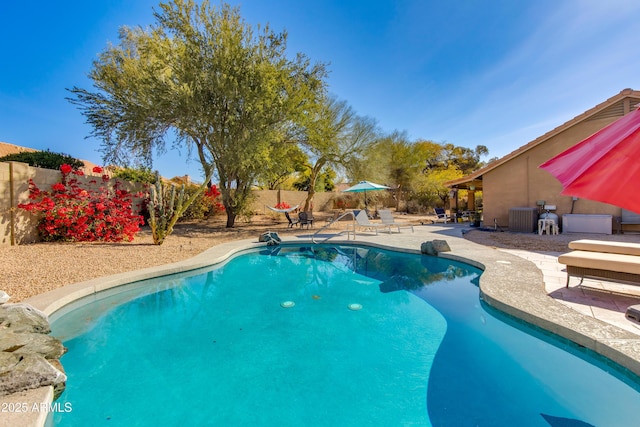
[201, 75]
[276, 172]
[419, 169]
[142, 175]
[335, 136]
[465, 159]
[433, 183]
[397, 162]
[44, 159]
[324, 182]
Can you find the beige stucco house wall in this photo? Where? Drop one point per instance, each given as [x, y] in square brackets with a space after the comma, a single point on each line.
[517, 181]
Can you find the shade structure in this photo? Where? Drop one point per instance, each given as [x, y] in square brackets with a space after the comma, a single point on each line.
[364, 186]
[605, 166]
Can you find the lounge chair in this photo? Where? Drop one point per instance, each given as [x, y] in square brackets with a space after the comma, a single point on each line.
[442, 215]
[387, 218]
[306, 218]
[292, 222]
[362, 221]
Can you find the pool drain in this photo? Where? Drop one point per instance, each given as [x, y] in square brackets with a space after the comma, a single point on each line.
[287, 304]
[355, 307]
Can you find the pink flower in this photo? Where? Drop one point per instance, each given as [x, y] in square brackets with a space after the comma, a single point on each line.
[97, 169]
[65, 169]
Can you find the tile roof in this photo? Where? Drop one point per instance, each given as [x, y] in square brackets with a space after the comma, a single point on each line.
[601, 110]
[6, 149]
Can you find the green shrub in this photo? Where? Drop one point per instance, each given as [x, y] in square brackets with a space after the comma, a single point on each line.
[200, 207]
[205, 205]
[142, 175]
[44, 159]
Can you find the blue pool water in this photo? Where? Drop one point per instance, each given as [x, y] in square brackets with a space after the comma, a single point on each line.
[374, 338]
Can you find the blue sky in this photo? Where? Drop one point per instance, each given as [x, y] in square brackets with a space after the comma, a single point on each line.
[498, 73]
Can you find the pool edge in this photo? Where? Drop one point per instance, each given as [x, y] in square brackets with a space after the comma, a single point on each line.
[509, 283]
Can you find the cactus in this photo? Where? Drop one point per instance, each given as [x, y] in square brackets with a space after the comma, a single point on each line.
[165, 208]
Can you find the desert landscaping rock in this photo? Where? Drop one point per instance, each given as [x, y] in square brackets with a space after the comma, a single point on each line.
[23, 318]
[28, 343]
[28, 356]
[30, 371]
[434, 247]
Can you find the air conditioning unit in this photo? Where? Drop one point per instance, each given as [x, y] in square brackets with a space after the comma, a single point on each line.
[524, 220]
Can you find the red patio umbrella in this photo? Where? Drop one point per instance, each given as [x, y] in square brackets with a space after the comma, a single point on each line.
[605, 166]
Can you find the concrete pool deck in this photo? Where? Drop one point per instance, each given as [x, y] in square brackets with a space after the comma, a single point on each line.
[525, 285]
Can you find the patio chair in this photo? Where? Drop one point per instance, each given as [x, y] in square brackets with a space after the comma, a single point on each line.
[362, 221]
[292, 222]
[387, 218]
[442, 215]
[305, 218]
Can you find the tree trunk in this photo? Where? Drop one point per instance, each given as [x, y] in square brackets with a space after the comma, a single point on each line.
[308, 203]
[311, 191]
[231, 218]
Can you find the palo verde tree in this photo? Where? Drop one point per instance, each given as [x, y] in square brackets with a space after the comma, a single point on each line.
[464, 159]
[395, 161]
[417, 168]
[448, 163]
[204, 78]
[291, 160]
[335, 136]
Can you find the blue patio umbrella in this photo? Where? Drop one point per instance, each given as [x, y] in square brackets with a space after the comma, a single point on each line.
[364, 186]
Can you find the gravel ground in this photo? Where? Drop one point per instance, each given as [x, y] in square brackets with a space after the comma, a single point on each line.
[536, 243]
[32, 269]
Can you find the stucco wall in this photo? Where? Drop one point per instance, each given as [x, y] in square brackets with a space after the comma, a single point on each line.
[520, 183]
[18, 226]
[14, 189]
[264, 198]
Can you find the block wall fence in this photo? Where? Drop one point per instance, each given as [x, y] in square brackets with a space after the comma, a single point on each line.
[20, 227]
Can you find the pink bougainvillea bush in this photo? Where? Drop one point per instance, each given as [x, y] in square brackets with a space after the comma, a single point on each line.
[83, 213]
[213, 196]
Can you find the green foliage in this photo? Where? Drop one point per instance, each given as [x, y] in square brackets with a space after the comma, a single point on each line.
[335, 136]
[203, 76]
[246, 213]
[464, 159]
[202, 207]
[44, 159]
[286, 159]
[166, 206]
[417, 170]
[324, 181]
[142, 175]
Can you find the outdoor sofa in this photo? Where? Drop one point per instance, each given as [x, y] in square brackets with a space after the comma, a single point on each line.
[612, 261]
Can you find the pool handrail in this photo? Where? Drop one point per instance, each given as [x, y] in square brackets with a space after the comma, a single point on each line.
[348, 230]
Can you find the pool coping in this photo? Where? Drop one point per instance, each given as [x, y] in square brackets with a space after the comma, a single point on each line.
[509, 283]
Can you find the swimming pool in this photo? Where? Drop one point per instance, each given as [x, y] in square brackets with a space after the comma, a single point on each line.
[370, 337]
